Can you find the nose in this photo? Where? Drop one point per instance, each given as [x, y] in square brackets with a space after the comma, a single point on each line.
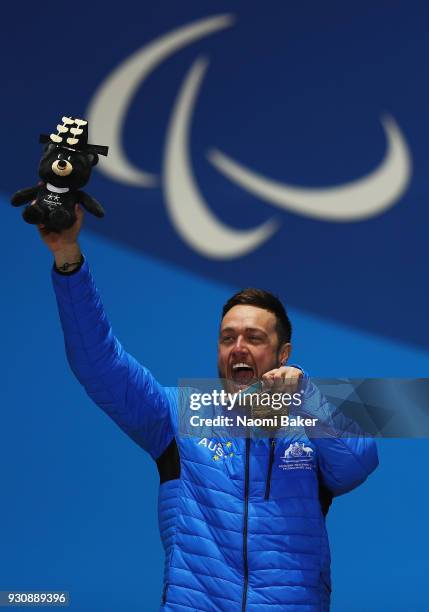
[240, 345]
[62, 164]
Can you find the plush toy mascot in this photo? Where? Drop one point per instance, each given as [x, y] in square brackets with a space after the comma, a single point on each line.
[64, 169]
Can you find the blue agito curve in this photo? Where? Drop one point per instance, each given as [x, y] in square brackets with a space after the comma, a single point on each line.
[242, 521]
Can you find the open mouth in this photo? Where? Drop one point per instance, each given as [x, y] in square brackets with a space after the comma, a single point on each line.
[242, 374]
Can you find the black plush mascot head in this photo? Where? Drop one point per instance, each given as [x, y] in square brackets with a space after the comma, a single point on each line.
[68, 158]
[65, 168]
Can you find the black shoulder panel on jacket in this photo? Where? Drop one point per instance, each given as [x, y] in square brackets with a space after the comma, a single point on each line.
[169, 463]
[325, 498]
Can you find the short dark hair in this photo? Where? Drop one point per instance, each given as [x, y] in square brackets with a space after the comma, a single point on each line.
[266, 300]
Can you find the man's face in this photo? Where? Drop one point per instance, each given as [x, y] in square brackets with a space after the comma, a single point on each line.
[248, 346]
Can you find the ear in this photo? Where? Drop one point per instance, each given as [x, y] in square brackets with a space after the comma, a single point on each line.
[284, 352]
[49, 147]
[93, 158]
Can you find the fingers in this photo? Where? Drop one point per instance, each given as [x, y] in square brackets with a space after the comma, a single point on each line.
[292, 378]
[79, 216]
[282, 379]
[268, 379]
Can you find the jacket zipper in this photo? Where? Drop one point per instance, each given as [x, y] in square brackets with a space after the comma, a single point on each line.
[270, 468]
[246, 520]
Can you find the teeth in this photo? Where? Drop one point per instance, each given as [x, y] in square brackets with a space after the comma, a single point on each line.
[241, 365]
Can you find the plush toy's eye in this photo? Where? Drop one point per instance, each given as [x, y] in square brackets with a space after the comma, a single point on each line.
[69, 158]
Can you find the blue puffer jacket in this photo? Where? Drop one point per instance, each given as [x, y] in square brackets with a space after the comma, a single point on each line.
[241, 520]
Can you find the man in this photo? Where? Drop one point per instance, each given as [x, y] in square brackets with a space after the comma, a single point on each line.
[245, 532]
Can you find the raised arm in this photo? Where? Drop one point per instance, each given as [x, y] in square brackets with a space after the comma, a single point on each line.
[122, 387]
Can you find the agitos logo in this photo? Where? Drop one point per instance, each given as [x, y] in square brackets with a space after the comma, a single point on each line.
[188, 211]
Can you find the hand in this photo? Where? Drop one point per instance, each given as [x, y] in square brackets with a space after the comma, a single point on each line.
[66, 238]
[284, 379]
[64, 245]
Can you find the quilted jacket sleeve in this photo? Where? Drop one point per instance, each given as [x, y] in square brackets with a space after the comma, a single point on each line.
[123, 388]
[347, 455]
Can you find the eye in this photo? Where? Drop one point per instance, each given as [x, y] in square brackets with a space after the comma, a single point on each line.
[60, 155]
[226, 339]
[69, 158]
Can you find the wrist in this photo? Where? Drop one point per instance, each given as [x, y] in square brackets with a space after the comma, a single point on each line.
[69, 267]
[68, 254]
